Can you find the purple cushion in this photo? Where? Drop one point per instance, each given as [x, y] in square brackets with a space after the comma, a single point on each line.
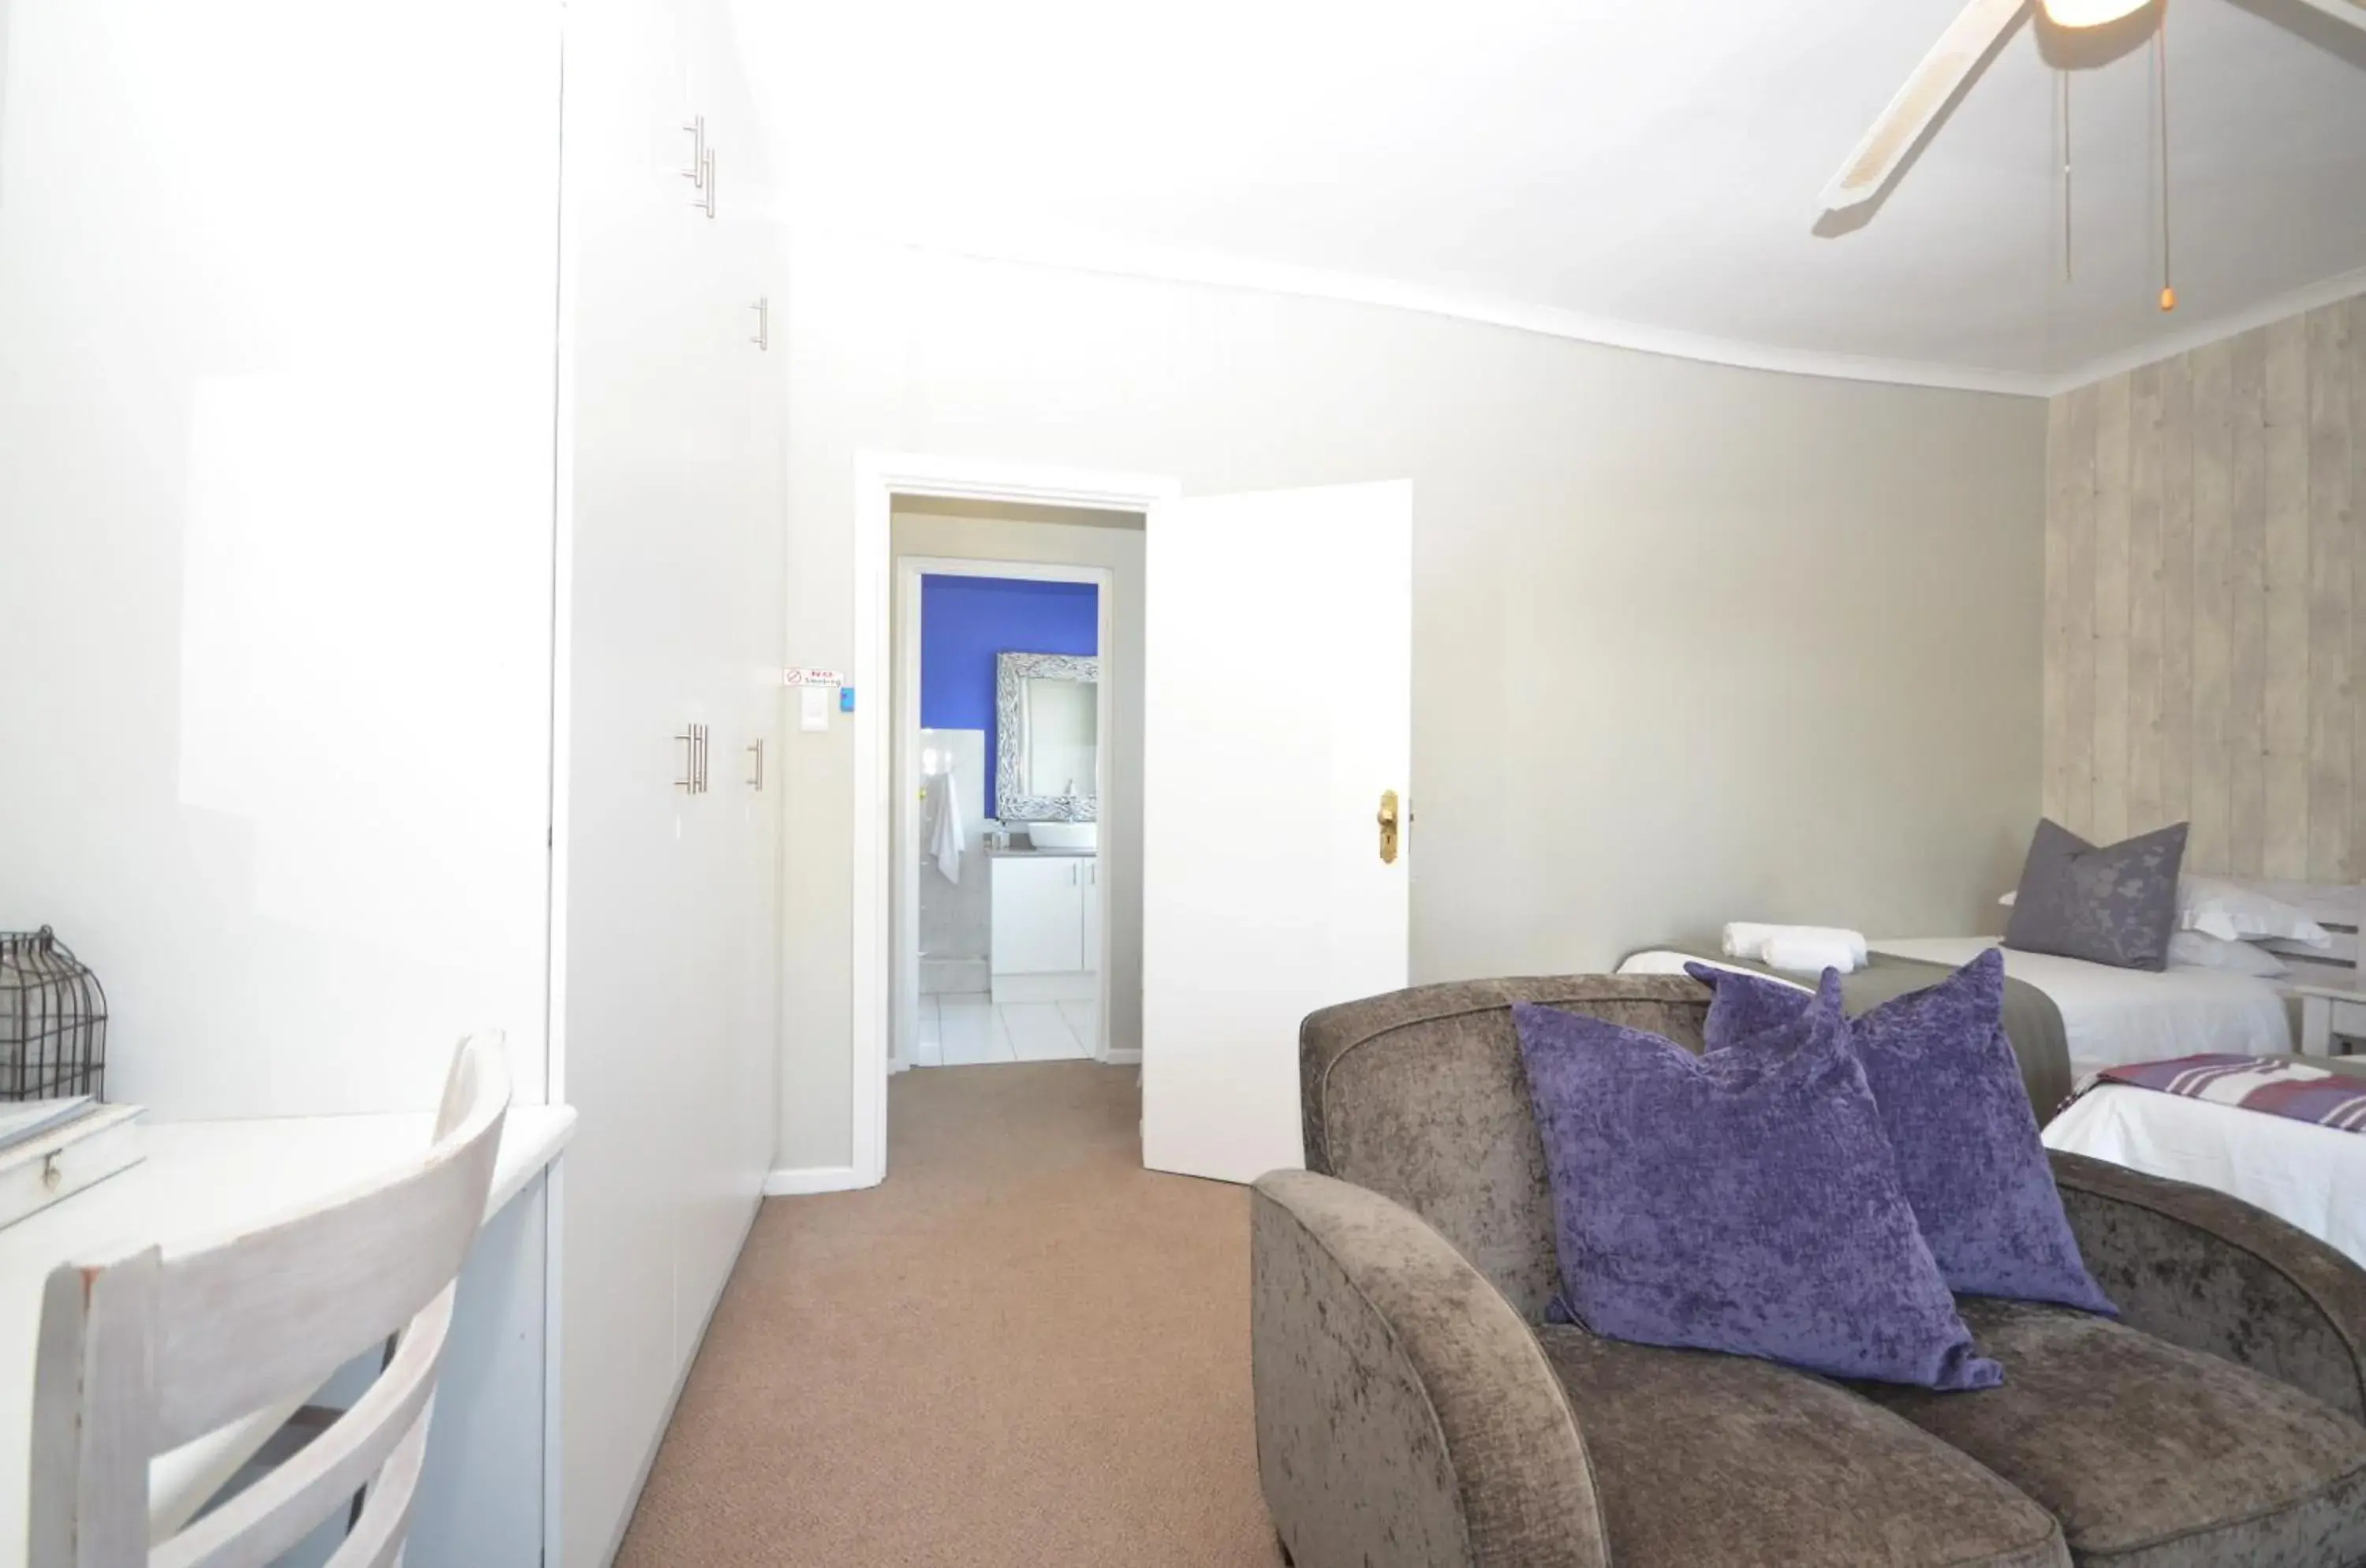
[1744, 1202]
[1942, 1071]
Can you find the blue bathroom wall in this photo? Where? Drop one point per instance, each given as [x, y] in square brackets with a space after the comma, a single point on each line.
[966, 621]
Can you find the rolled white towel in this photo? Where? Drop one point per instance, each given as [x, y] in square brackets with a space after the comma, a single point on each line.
[1807, 956]
[1748, 939]
[1745, 940]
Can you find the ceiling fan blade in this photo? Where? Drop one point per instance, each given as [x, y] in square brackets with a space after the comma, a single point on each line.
[1968, 43]
[2351, 11]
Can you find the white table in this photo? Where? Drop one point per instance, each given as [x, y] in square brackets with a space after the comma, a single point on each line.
[201, 1178]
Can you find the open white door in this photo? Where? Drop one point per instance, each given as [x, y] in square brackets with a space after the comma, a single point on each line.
[1277, 681]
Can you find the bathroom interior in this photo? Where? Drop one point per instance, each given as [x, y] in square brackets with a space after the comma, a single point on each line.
[1006, 763]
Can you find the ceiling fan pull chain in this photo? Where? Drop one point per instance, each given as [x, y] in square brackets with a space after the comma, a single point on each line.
[2160, 55]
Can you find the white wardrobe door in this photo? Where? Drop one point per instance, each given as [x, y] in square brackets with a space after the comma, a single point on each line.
[676, 606]
[277, 284]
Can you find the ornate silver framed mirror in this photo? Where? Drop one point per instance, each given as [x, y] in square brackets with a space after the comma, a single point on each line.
[1046, 737]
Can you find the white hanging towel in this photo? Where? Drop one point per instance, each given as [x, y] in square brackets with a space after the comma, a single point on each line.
[1834, 947]
[946, 843]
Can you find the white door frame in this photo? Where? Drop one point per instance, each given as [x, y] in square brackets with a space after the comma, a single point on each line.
[879, 478]
[906, 997]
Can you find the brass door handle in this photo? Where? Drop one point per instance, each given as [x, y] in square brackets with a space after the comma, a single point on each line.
[1388, 821]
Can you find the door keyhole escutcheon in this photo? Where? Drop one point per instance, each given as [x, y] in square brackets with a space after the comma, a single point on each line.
[1388, 821]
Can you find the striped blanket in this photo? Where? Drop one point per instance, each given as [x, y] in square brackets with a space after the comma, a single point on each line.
[2275, 1084]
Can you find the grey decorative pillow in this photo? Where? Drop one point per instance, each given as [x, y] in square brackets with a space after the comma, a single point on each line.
[2114, 906]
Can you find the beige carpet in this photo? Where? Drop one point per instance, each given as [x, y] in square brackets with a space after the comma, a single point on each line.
[1021, 1349]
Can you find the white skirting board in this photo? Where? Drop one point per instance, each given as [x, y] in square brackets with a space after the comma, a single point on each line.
[802, 1180]
[1124, 1058]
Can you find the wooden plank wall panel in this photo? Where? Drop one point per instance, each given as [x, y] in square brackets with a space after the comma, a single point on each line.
[2109, 769]
[2247, 571]
[2144, 607]
[2288, 688]
[2210, 845]
[2177, 589]
[2326, 711]
[2357, 585]
[2078, 651]
[2205, 601]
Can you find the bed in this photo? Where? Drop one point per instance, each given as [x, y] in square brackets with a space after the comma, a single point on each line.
[2110, 1016]
[2067, 1017]
[2106, 1015]
[2311, 1176]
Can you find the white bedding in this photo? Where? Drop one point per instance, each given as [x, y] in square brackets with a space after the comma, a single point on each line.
[2131, 1015]
[2108, 1015]
[2313, 1176]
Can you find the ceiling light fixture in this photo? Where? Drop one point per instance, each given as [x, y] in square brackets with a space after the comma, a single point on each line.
[2091, 13]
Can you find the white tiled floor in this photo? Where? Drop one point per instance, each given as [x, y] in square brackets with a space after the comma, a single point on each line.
[968, 1030]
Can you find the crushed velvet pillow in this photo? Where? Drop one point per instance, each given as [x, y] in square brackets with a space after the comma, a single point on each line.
[1951, 1097]
[2117, 905]
[1744, 1202]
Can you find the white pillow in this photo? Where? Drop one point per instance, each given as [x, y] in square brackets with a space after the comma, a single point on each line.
[2234, 913]
[2231, 912]
[2199, 950]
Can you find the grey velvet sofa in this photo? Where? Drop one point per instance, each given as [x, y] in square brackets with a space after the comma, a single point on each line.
[1413, 1408]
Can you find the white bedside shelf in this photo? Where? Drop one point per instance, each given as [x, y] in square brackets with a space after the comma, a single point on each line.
[2331, 1018]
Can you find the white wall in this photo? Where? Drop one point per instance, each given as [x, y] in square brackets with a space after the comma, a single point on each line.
[276, 536]
[974, 531]
[670, 989]
[1690, 643]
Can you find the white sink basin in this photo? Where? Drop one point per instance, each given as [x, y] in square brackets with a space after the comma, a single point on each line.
[1064, 835]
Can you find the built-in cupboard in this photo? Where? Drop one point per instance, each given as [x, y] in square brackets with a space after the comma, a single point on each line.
[390, 477]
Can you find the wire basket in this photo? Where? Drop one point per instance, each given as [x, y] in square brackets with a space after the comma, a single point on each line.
[52, 1020]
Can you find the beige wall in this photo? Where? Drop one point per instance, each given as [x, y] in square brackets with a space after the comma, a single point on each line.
[2205, 581]
[968, 530]
[1690, 643]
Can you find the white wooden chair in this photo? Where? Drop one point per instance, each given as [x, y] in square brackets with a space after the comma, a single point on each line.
[144, 1353]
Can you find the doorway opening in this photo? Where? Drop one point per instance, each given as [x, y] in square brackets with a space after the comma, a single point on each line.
[1271, 876]
[969, 510]
[1017, 764]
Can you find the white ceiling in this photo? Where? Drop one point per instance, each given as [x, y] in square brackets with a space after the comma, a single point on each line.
[1644, 172]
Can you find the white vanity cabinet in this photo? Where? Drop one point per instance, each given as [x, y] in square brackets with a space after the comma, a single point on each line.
[1046, 926]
